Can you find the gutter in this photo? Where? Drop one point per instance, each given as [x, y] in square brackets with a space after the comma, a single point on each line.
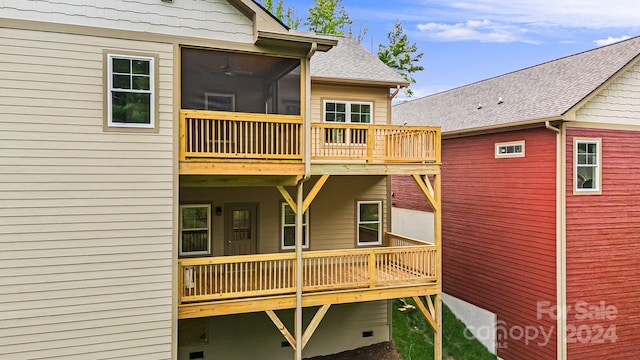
[320, 43]
[548, 125]
[499, 127]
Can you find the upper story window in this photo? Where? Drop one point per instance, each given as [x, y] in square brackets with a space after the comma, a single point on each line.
[289, 228]
[347, 112]
[369, 222]
[510, 149]
[587, 166]
[131, 91]
[195, 229]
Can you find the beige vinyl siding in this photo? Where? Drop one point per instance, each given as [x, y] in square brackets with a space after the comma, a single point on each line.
[86, 216]
[379, 97]
[617, 103]
[212, 19]
[333, 220]
[340, 330]
[332, 214]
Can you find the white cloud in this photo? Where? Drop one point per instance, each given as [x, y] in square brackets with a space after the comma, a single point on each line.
[610, 40]
[523, 20]
[420, 92]
[480, 30]
[595, 14]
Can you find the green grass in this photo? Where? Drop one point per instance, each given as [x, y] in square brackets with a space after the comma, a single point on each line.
[413, 337]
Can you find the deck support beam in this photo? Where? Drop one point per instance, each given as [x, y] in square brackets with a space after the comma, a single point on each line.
[425, 185]
[310, 197]
[314, 192]
[281, 327]
[308, 332]
[313, 325]
[428, 314]
[288, 198]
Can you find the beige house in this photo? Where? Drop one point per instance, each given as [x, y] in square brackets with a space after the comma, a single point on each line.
[193, 180]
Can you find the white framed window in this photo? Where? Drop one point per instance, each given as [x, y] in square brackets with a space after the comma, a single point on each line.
[131, 91]
[587, 170]
[288, 222]
[510, 149]
[353, 112]
[369, 222]
[195, 229]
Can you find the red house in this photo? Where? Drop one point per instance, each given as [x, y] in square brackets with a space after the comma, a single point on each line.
[541, 204]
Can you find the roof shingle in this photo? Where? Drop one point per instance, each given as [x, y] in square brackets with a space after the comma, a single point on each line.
[543, 91]
[351, 61]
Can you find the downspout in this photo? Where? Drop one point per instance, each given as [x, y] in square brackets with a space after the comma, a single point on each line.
[561, 267]
[562, 249]
[307, 113]
[306, 156]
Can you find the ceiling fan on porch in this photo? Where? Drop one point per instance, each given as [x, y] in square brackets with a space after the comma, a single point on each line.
[229, 71]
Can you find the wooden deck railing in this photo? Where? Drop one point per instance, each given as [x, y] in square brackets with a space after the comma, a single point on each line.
[373, 143]
[232, 135]
[216, 134]
[217, 278]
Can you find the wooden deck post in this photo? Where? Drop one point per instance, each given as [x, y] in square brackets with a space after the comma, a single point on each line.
[437, 240]
[299, 217]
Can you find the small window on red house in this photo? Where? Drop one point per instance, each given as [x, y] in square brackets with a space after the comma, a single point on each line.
[510, 149]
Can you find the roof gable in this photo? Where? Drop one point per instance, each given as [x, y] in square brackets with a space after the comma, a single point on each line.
[538, 93]
[351, 62]
[262, 19]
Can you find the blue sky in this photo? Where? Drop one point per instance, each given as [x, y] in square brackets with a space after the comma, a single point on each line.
[469, 40]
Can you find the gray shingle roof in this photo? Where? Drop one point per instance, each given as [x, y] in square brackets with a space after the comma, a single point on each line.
[351, 61]
[543, 91]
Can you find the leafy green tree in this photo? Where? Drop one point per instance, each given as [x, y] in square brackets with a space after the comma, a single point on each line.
[287, 15]
[361, 32]
[401, 55]
[328, 17]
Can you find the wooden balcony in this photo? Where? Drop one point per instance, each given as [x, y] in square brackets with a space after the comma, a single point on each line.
[226, 143]
[249, 283]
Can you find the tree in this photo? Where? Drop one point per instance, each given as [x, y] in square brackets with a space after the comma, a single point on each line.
[287, 16]
[361, 32]
[401, 55]
[327, 17]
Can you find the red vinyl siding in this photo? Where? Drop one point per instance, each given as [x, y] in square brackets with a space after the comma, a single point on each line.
[499, 234]
[603, 251]
[406, 194]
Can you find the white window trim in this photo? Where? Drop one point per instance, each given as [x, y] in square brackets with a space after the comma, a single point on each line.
[152, 91]
[379, 222]
[348, 104]
[347, 132]
[208, 251]
[305, 228]
[509, 155]
[597, 190]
